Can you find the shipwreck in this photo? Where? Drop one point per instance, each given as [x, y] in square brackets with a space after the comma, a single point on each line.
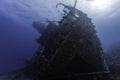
[69, 49]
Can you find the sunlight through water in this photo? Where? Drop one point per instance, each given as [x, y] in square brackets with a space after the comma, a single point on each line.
[101, 5]
[100, 8]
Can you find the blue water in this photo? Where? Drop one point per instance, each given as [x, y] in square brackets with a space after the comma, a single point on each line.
[17, 44]
[18, 38]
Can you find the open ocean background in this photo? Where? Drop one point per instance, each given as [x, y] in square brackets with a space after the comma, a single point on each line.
[17, 36]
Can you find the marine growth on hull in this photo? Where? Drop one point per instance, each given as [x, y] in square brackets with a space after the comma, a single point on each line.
[70, 48]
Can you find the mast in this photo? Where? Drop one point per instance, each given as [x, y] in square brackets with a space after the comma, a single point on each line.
[75, 3]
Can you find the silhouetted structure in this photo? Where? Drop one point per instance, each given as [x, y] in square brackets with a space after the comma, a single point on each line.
[69, 50]
[72, 49]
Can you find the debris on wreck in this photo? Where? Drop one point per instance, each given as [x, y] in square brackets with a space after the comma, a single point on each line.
[69, 49]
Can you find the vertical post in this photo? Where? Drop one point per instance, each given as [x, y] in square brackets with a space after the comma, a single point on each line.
[75, 3]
